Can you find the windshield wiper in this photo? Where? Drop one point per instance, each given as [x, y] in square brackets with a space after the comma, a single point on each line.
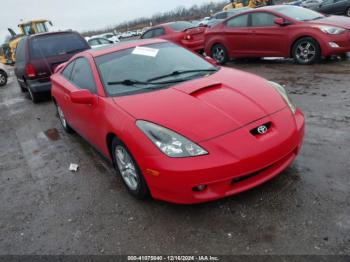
[180, 72]
[130, 82]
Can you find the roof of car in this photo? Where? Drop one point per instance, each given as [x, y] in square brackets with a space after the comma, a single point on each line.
[121, 46]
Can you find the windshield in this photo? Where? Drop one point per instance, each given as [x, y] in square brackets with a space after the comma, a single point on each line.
[56, 44]
[146, 68]
[181, 26]
[299, 13]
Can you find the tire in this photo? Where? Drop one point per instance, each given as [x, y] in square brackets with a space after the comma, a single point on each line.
[3, 78]
[220, 54]
[33, 96]
[347, 13]
[23, 89]
[63, 120]
[126, 166]
[306, 51]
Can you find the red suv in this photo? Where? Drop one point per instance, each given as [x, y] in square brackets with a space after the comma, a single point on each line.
[183, 33]
[37, 56]
[279, 31]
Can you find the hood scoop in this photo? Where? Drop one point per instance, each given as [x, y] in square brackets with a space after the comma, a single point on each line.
[199, 86]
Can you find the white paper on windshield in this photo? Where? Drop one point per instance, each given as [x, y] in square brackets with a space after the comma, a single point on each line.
[145, 51]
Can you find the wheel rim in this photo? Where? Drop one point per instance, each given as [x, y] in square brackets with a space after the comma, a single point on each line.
[62, 117]
[2, 79]
[126, 167]
[306, 51]
[348, 12]
[219, 54]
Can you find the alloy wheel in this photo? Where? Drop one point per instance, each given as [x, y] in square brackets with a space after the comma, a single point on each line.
[306, 51]
[61, 117]
[219, 54]
[127, 168]
[2, 79]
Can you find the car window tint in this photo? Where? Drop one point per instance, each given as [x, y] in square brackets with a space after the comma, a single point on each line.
[56, 44]
[93, 42]
[221, 16]
[104, 41]
[20, 51]
[158, 32]
[82, 75]
[68, 70]
[239, 21]
[181, 26]
[148, 34]
[263, 19]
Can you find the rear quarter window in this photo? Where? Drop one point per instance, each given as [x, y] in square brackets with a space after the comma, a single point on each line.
[56, 44]
[181, 26]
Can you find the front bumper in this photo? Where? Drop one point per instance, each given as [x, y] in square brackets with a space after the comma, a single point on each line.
[228, 170]
[342, 40]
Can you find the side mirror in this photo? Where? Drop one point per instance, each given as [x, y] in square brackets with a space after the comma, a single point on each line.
[211, 60]
[280, 21]
[83, 96]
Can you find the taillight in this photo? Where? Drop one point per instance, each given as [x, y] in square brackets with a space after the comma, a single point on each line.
[188, 37]
[30, 70]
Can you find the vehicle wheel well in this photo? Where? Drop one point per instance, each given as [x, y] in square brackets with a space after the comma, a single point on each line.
[109, 139]
[2, 71]
[296, 40]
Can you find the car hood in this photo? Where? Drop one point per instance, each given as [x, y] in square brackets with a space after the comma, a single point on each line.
[334, 20]
[207, 107]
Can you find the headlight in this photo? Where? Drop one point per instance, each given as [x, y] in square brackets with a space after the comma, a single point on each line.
[169, 142]
[331, 30]
[280, 89]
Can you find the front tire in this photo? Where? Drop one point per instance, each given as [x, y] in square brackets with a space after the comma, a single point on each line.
[220, 54]
[63, 120]
[128, 169]
[3, 78]
[306, 51]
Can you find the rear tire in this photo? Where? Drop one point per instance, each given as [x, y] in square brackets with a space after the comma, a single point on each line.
[220, 54]
[63, 120]
[306, 51]
[33, 96]
[3, 78]
[126, 166]
[23, 89]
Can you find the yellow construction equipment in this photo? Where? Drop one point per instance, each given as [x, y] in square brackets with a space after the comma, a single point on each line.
[27, 28]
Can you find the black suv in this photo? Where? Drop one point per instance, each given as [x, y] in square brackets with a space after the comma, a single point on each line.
[37, 56]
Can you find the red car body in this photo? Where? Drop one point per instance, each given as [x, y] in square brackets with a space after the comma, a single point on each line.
[188, 36]
[277, 40]
[217, 112]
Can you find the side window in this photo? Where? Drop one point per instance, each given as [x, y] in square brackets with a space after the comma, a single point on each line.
[158, 32]
[93, 42]
[104, 41]
[221, 16]
[239, 21]
[148, 34]
[263, 19]
[67, 72]
[82, 75]
[20, 51]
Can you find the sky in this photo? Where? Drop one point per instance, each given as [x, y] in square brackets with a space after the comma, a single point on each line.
[82, 15]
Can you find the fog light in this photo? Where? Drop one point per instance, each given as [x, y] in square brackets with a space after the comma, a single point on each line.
[333, 45]
[199, 188]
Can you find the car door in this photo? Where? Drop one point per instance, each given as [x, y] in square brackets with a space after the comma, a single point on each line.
[236, 35]
[267, 38]
[82, 116]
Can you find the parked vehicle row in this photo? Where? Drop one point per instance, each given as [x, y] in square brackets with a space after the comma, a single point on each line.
[332, 7]
[272, 31]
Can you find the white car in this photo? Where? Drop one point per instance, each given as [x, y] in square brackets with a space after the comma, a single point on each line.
[96, 42]
[3, 75]
[111, 37]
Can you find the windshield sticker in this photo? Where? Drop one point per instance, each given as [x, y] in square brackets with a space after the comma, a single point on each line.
[145, 51]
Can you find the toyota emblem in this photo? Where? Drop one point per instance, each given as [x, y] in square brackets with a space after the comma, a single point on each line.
[262, 129]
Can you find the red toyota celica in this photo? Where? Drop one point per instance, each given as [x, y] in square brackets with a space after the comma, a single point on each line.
[175, 125]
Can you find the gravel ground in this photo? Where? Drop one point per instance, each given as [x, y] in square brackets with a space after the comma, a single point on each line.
[45, 209]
